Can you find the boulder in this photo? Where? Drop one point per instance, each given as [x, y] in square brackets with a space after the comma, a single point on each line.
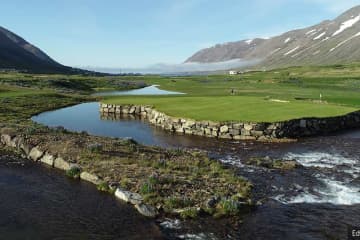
[133, 198]
[90, 178]
[61, 164]
[146, 210]
[48, 159]
[8, 140]
[35, 154]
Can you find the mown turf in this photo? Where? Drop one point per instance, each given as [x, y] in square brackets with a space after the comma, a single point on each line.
[235, 108]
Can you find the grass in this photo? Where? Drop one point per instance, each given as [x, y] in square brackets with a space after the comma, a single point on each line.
[211, 97]
[236, 108]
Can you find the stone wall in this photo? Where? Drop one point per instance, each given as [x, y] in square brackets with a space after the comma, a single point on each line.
[235, 130]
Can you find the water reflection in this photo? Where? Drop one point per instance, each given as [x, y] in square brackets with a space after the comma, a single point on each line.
[151, 90]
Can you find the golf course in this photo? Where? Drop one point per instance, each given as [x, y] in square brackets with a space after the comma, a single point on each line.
[266, 96]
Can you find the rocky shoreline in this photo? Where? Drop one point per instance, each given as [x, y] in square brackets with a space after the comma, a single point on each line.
[36, 154]
[276, 131]
[157, 182]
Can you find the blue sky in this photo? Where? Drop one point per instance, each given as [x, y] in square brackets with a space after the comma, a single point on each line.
[137, 33]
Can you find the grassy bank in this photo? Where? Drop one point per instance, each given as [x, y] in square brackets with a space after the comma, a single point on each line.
[254, 96]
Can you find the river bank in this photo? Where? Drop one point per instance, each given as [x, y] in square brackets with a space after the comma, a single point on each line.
[170, 182]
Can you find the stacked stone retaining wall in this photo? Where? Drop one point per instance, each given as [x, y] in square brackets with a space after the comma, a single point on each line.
[236, 130]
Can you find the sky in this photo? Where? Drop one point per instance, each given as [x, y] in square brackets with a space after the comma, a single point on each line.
[139, 33]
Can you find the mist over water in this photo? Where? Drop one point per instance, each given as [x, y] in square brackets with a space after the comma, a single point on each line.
[165, 68]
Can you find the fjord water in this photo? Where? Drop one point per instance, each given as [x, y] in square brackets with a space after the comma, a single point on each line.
[37, 203]
[315, 201]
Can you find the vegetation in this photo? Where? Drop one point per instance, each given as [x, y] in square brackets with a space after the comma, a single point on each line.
[267, 162]
[73, 173]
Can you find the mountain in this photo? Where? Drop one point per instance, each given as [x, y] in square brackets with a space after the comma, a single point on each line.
[16, 53]
[329, 42]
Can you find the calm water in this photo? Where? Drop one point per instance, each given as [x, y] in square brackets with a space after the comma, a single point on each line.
[151, 90]
[36, 203]
[86, 117]
[316, 201]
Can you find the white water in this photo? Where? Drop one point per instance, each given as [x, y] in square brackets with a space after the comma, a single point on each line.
[329, 190]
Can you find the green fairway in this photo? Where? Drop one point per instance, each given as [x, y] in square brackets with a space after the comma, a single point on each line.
[235, 108]
[247, 97]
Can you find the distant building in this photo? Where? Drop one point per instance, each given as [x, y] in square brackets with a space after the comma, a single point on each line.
[233, 73]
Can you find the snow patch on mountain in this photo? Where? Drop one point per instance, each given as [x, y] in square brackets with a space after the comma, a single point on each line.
[311, 31]
[345, 41]
[287, 40]
[291, 51]
[347, 24]
[249, 41]
[320, 36]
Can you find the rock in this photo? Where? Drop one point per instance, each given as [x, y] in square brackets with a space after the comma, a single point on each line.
[35, 154]
[90, 178]
[212, 202]
[60, 163]
[48, 159]
[146, 210]
[303, 123]
[245, 132]
[248, 127]
[234, 132]
[8, 140]
[26, 148]
[257, 133]
[225, 136]
[133, 198]
[224, 129]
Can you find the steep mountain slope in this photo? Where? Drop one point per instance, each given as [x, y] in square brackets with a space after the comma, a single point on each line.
[16, 53]
[330, 42]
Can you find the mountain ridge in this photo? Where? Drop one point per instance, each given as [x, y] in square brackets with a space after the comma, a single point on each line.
[329, 42]
[18, 54]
